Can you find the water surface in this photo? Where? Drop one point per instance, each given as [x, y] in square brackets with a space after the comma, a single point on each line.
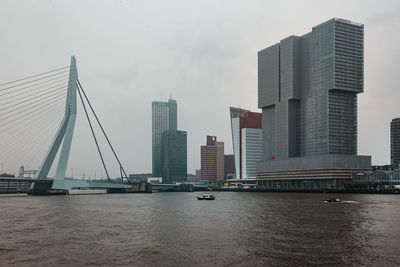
[175, 229]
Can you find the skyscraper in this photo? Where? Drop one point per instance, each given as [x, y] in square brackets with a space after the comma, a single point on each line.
[174, 156]
[395, 143]
[164, 118]
[212, 160]
[307, 89]
[247, 141]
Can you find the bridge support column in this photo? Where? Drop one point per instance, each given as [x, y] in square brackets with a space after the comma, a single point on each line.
[64, 135]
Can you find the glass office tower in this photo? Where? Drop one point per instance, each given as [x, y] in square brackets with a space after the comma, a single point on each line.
[395, 143]
[164, 118]
[174, 156]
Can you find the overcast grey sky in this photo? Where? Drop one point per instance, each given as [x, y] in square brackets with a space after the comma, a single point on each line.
[130, 53]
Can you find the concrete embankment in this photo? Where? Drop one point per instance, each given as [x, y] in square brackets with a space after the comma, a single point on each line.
[336, 191]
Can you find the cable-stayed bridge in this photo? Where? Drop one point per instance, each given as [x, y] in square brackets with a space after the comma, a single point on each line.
[37, 99]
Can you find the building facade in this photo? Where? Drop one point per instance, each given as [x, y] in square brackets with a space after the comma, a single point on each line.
[198, 174]
[164, 118]
[395, 143]
[307, 90]
[247, 141]
[236, 113]
[138, 177]
[174, 156]
[212, 161]
[251, 152]
[229, 163]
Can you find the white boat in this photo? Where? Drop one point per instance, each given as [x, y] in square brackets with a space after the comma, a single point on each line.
[86, 191]
[206, 197]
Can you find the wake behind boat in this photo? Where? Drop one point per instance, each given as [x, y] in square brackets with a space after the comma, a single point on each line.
[206, 197]
[332, 200]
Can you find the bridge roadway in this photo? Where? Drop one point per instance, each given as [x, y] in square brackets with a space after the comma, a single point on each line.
[98, 184]
[72, 183]
[12, 179]
[76, 184]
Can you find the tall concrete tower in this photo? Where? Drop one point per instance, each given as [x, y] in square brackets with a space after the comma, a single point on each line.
[307, 90]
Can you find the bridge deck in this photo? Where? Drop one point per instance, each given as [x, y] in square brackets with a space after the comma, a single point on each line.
[71, 183]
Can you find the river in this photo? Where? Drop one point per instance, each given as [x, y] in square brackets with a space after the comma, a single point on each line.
[175, 229]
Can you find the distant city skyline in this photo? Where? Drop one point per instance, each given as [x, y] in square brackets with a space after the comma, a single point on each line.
[208, 69]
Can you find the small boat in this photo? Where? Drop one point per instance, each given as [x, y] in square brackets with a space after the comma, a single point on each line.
[332, 200]
[206, 197]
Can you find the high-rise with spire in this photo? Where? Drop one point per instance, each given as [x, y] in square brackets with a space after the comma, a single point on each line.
[169, 145]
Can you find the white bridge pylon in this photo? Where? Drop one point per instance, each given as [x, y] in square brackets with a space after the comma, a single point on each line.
[64, 135]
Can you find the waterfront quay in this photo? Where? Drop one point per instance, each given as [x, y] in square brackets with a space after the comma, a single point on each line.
[336, 191]
[13, 185]
[362, 185]
[10, 185]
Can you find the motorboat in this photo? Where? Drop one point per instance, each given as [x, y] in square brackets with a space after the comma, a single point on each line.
[332, 200]
[206, 197]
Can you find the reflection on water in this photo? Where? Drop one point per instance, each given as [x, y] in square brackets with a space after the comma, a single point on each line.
[169, 229]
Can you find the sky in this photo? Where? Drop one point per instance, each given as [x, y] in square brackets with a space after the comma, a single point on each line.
[204, 53]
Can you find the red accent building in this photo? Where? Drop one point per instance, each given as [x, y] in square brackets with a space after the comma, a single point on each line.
[212, 160]
[251, 120]
[247, 120]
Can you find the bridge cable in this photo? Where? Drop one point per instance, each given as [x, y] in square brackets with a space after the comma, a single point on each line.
[34, 102]
[36, 95]
[26, 78]
[32, 154]
[105, 135]
[39, 135]
[57, 83]
[94, 136]
[29, 114]
[17, 128]
[13, 86]
[46, 82]
[42, 132]
[33, 111]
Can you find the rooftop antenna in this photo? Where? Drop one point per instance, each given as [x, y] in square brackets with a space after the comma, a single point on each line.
[170, 95]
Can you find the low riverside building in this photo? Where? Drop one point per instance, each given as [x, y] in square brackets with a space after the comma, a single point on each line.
[314, 172]
[13, 185]
[138, 177]
[154, 180]
[374, 180]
